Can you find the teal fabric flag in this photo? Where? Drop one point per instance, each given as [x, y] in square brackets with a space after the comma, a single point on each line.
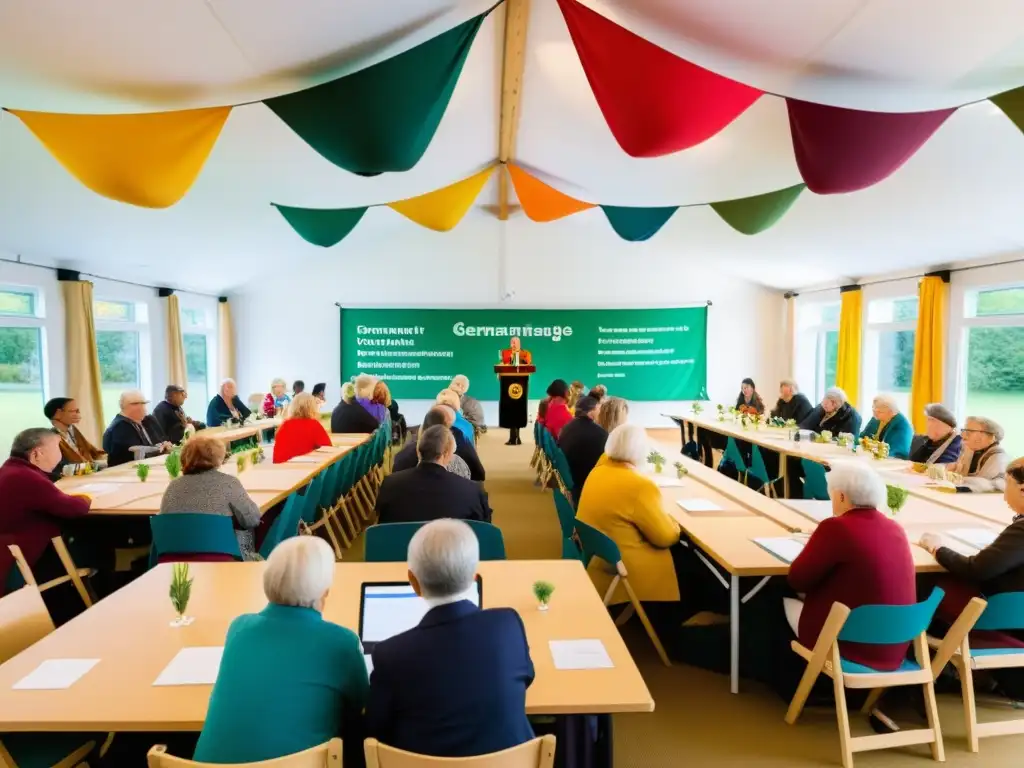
[637, 224]
[321, 226]
[751, 215]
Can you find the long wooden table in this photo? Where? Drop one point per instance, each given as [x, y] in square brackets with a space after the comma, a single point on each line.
[130, 633]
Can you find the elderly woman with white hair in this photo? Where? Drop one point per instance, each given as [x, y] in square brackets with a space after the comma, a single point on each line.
[834, 414]
[365, 384]
[982, 464]
[226, 405]
[471, 408]
[277, 399]
[792, 403]
[288, 679]
[889, 426]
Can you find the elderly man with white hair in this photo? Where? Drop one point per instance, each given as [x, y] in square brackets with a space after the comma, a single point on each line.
[288, 679]
[226, 405]
[792, 403]
[454, 686]
[471, 408]
[889, 426]
[982, 464]
[131, 429]
[834, 414]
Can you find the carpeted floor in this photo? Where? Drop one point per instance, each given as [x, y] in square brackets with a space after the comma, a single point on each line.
[696, 721]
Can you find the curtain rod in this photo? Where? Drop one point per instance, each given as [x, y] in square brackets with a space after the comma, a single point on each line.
[100, 277]
[911, 277]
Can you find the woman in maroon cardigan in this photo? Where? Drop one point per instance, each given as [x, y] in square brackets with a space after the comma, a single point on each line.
[857, 557]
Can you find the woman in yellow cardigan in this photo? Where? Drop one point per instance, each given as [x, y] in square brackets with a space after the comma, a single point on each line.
[626, 506]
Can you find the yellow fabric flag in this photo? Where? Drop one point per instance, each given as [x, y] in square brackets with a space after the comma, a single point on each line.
[929, 347]
[848, 359]
[149, 160]
[442, 209]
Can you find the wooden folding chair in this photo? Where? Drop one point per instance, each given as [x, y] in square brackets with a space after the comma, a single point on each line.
[73, 573]
[327, 755]
[875, 625]
[536, 753]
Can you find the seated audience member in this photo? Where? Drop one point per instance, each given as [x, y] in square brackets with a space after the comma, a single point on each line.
[558, 413]
[470, 407]
[171, 416]
[982, 463]
[277, 399]
[575, 393]
[349, 416]
[542, 410]
[407, 457]
[364, 385]
[889, 426]
[582, 441]
[33, 507]
[429, 491]
[226, 406]
[464, 448]
[624, 504]
[382, 395]
[454, 686]
[942, 442]
[450, 398]
[132, 428]
[320, 392]
[859, 556]
[613, 413]
[748, 401]
[298, 387]
[288, 680]
[64, 414]
[833, 415]
[598, 392]
[301, 432]
[202, 488]
[792, 404]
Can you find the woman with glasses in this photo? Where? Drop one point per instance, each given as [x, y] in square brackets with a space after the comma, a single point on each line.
[982, 464]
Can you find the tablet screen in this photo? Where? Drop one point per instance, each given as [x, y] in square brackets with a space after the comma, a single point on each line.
[389, 609]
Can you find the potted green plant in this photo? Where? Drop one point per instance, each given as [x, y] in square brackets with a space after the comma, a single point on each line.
[896, 497]
[173, 464]
[744, 421]
[697, 408]
[721, 412]
[142, 471]
[181, 591]
[543, 590]
[241, 462]
[681, 471]
[256, 456]
[657, 460]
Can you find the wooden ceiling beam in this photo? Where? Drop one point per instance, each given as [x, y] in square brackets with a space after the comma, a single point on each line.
[517, 14]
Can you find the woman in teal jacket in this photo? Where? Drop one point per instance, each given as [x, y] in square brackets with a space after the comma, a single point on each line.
[288, 679]
[890, 426]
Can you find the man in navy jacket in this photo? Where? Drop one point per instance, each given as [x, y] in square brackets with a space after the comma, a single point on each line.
[454, 686]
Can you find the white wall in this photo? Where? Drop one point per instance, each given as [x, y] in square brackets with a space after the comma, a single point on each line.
[289, 326]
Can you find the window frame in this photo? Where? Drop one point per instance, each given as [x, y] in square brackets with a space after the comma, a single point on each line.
[36, 321]
[139, 325]
[870, 348]
[208, 329]
[812, 339]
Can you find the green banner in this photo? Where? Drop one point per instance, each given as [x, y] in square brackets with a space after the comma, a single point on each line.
[639, 354]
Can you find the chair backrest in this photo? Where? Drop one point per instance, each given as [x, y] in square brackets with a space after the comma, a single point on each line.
[566, 514]
[193, 533]
[311, 498]
[537, 753]
[326, 755]
[597, 544]
[890, 624]
[24, 621]
[757, 468]
[815, 484]
[389, 542]
[325, 499]
[733, 456]
[285, 526]
[1004, 611]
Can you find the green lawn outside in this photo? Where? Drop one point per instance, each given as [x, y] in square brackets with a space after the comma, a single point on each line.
[21, 410]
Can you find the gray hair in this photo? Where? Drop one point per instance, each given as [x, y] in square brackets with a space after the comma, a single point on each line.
[348, 392]
[28, 440]
[443, 556]
[277, 381]
[861, 484]
[225, 382]
[887, 401]
[460, 384]
[129, 394]
[438, 415]
[989, 426]
[791, 383]
[434, 442]
[836, 395]
[628, 442]
[364, 385]
[299, 572]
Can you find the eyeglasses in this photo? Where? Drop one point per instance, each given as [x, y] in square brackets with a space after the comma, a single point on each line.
[139, 402]
[965, 431]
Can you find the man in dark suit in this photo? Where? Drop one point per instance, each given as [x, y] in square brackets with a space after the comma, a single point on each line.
[582, 441]
[429, 491]
[454, 686]
[406, 458]
[170, 415]
[350, 416]
[133, 427]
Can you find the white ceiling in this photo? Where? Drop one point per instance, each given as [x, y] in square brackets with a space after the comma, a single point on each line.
[957, 199]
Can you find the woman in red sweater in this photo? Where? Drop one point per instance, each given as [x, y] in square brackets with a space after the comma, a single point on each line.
[558, 413]
[302, 431]
[857, 557]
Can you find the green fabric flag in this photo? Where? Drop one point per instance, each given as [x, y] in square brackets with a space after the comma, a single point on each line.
[751, 215]
[381, 118]
[637, 224]
[1012, 104]
[322, 226]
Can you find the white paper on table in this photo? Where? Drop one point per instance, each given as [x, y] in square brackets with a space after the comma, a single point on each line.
[327, 449]
[95, 489]
[698, 505]
[813, 508]
[979, 538]
[580, 654]
[783, 547]
[666, 481]
[55, 674]
[958, 546]
[305, 460]
[192, 666]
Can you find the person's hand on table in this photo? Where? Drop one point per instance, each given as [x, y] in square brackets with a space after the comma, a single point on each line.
[166, 446]
[930, 542]
[81, 495]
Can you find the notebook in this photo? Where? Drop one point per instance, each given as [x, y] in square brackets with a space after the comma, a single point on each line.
[783, 547]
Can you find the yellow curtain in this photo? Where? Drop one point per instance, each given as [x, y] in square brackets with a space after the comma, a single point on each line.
[225, 341]
[929, 346]
[176, 373]
[848, 363]
[83, 363]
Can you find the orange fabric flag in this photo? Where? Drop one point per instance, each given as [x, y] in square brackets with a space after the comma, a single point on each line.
[540, 201]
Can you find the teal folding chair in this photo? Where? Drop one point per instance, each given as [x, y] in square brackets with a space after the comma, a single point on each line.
[285, 526]
[180, 536]
[759, 472]
[389, 542]
[733, 456]
[597, 544]
[815, 482]
[567, 521]
[873, 625]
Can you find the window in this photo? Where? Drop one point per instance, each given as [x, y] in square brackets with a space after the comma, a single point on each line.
[121, 338]
[817, 347]
[199, 340]
[21, 363]
[888, 353]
